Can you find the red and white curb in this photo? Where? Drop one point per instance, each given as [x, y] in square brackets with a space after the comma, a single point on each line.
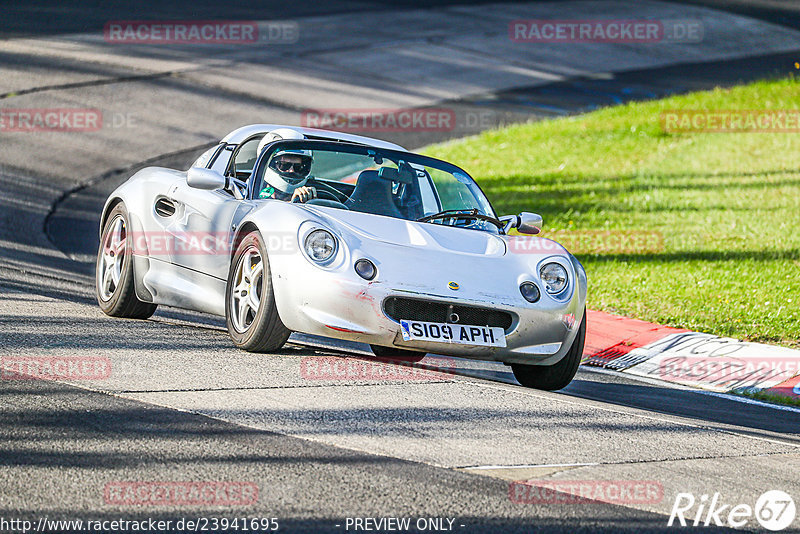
[689, 358]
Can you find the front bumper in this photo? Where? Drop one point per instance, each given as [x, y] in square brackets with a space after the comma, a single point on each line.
[337, 303]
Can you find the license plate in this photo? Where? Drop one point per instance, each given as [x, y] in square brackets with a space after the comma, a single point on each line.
[482, 336]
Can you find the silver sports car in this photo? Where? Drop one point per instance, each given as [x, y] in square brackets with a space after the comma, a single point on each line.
[282, 229]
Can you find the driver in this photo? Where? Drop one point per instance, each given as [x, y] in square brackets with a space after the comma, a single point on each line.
[288, 170]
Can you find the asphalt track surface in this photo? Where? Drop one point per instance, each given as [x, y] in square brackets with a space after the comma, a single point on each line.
[182, 405]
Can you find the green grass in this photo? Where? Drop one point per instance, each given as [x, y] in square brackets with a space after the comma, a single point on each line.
[771, 397]
[726, 204]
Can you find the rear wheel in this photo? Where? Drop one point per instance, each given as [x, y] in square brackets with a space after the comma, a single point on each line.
[250, 310]
[114, 284]
[553, 377]
[396, 355]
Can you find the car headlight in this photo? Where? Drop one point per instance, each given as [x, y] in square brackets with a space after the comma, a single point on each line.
[554, 277]
[320, 245]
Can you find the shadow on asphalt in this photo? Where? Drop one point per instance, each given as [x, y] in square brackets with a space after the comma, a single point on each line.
[90, 440]
[685, 403]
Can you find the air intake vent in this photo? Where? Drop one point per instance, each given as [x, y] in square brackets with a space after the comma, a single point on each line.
[165, 208]
[398, 308]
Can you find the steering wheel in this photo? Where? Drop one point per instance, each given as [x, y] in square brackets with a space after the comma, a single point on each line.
[321, 195]
[331, 192]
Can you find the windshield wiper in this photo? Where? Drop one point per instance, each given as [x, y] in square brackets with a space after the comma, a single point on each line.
[462, 214]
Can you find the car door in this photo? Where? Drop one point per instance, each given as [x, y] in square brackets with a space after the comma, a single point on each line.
[207, 221]
[201, 231]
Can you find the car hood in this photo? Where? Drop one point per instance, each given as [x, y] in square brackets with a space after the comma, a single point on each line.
[411, 233]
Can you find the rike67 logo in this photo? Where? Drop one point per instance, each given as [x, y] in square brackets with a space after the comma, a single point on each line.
[774, 510]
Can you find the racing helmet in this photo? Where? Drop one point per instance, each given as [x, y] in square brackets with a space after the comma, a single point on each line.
[286, 176]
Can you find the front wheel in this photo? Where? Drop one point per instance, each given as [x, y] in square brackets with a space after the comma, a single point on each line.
[114, 284]
[250, 310]
[557, 376]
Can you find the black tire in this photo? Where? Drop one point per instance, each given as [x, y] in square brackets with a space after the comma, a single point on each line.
[553, 377]
[265, 332]
[392, 354]
[119, 300]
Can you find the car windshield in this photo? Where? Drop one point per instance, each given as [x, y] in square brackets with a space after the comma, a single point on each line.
[384, 182]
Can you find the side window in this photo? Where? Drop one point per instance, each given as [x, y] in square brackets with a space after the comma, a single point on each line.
[205, 157]
[220, 163]
[245, 158]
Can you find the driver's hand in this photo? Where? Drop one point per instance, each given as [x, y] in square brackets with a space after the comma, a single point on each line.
[304, 194]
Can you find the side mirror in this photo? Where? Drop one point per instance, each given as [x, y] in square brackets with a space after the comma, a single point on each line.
[201, 178]
[525, 223]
